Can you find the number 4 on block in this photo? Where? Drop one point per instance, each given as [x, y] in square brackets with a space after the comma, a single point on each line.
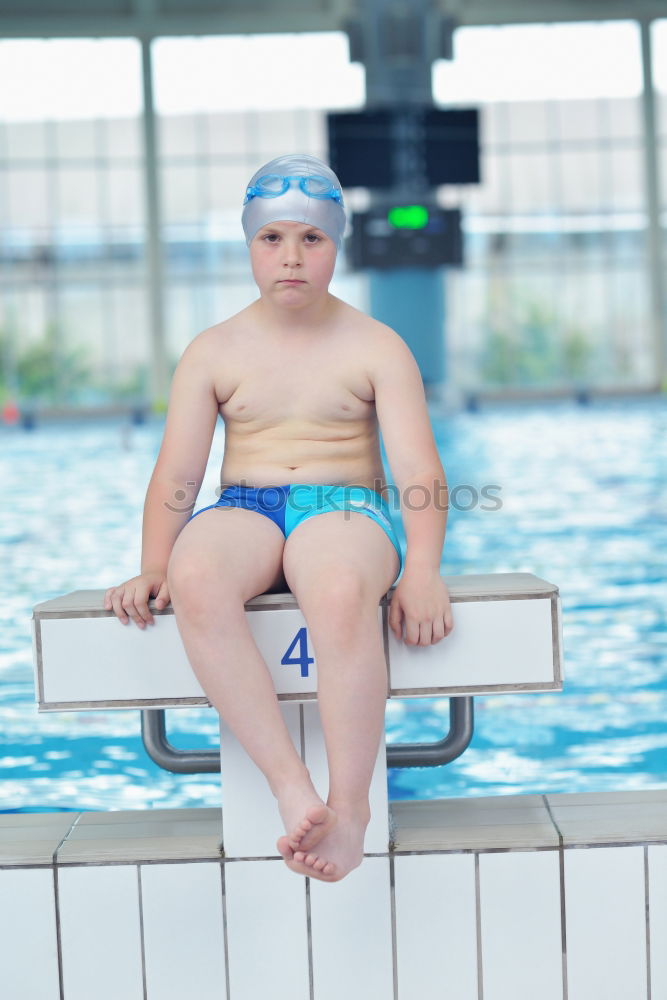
[302, 660]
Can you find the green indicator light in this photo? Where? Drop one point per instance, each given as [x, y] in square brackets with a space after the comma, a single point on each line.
[408, 217]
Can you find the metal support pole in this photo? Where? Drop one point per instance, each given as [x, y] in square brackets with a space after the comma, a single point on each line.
[160, 750]
[154, 258]
[412, 301]
[461, 727]
[656, 275]
[444, 751]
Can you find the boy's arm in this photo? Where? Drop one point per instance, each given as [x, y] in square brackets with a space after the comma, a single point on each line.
[181, 462]
[174, 485]
[420, 601]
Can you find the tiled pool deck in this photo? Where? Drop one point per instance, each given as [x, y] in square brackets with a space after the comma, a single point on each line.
[556, 896]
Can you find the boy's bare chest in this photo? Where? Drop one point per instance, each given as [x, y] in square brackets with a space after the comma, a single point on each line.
[272, 387]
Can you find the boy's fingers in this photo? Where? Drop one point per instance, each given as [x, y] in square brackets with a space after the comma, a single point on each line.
[144, 611]
[117, 607]
[394, 619]
[163, 595]
[425, 633]
[130, 601]
[439, 630]
[129, 608]
[411, 632]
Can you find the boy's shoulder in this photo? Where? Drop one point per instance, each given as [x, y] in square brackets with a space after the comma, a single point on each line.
[374, 331]
[382, 345]
[373, 340]
[216, 337]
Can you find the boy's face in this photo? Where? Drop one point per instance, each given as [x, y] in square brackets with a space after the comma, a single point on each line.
[292, 263]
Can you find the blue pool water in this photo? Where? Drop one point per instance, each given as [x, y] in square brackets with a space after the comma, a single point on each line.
[583, 505]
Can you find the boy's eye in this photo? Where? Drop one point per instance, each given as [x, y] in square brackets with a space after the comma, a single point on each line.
[312, 238]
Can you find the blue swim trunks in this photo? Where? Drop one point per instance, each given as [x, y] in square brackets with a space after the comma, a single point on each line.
[287, 506]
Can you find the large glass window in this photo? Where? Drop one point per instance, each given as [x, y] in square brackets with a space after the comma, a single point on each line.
[73, 326]
[659, 38]
[555, 290]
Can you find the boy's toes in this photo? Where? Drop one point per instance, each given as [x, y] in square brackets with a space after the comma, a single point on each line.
[285, 848]
[324, 867]
[319, 868]
[299, 832]
[317, 864]
[318, 821]
[302, 858]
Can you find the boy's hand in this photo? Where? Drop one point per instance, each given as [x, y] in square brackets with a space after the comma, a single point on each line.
[130, 599]
[421, 604]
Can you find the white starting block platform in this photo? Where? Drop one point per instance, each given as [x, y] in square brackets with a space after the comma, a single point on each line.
[506, 638]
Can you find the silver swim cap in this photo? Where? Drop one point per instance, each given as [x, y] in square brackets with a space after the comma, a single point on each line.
[295, 188]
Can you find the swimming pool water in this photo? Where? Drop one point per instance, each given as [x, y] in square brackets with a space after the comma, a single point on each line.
[582, 492]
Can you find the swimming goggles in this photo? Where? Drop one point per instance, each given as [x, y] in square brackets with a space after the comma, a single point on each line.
[273, 185]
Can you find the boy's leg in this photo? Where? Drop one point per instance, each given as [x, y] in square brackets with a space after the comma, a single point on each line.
[220, 560]
[338, 565]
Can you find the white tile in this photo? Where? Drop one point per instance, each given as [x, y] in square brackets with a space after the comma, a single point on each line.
[144, 835]
[483, 650]
[184, 943]
[645, 797]
[266, 931]
[251, 822]
[351, 934]
[610, 821]
[436, 928]
[28, 945]
[31, 839]
[606, 923]
[100, 933]
[657, 901]
[464, 824]
[520, 913]
[377, 832]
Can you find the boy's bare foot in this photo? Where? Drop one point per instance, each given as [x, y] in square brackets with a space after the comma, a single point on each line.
[338, 853]
[307, 820]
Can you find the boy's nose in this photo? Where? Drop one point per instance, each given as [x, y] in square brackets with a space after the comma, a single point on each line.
[292, 255]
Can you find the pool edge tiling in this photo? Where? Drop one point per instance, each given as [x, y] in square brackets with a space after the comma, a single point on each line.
[561, 897]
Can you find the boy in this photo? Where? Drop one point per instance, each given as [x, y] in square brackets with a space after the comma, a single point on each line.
[301, 380]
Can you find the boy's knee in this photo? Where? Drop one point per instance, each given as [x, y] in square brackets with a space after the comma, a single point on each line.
[191, 580]
[180, 572]
[341, 593]
[183, 582]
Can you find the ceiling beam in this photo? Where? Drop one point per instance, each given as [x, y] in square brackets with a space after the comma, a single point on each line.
[497, 12]
[144, 24]
[145, 19]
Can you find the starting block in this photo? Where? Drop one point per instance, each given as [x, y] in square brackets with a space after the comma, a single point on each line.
[506, 639]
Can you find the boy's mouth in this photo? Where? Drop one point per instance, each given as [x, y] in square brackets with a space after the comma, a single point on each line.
[291, 281]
